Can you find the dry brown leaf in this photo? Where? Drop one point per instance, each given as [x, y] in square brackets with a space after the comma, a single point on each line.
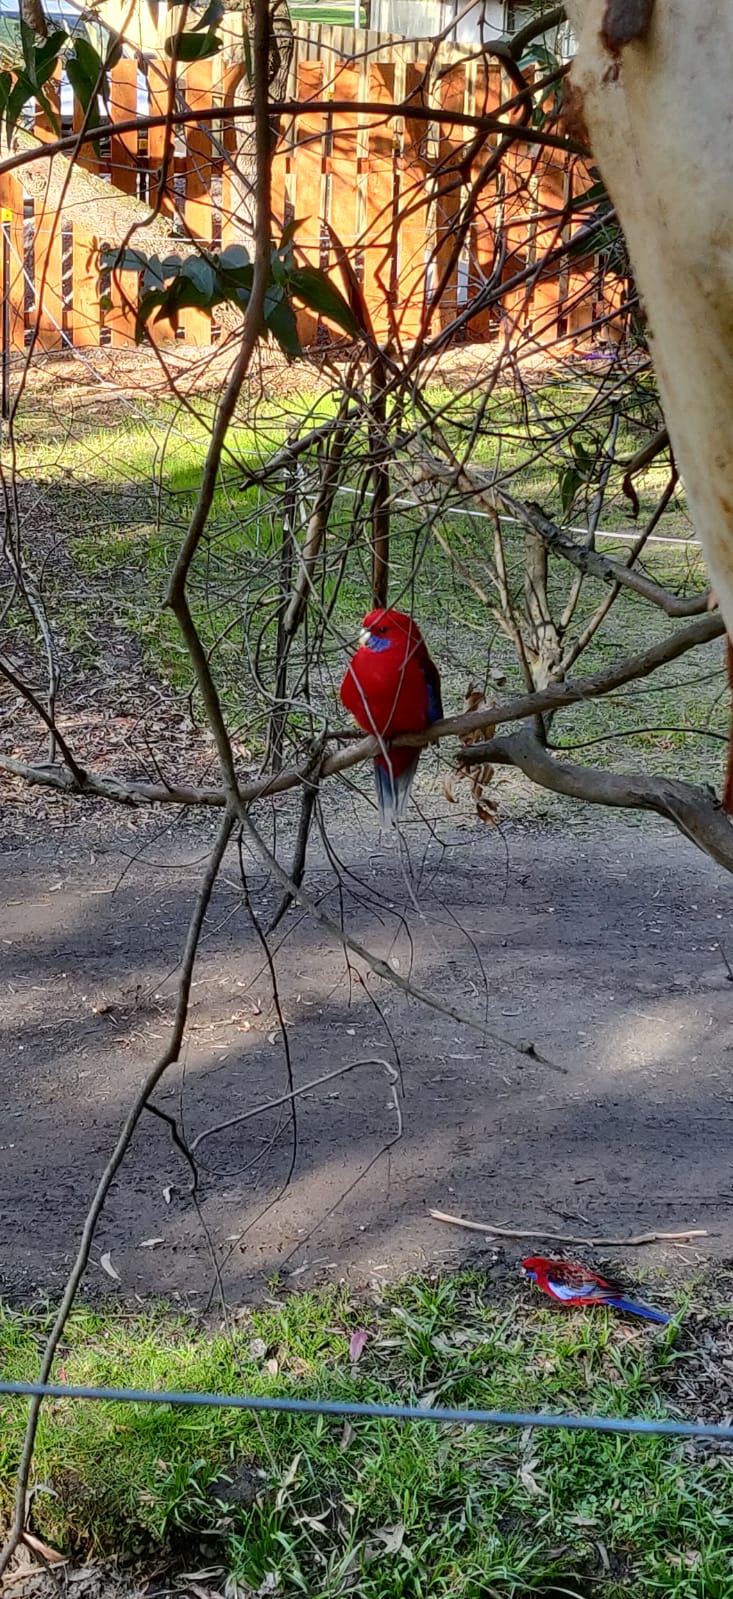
[477, 777]
[51, 1556]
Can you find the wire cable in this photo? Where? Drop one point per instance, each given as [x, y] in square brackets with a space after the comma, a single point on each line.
[374, 1411]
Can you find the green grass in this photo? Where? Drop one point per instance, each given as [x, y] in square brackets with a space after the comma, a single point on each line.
[122, 484]
[321, 11]
[386, 1509]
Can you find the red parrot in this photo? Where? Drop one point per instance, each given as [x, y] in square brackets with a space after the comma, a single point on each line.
[578, 1285]
[391, 686]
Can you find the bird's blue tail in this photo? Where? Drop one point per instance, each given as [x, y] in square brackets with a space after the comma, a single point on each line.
[647, 1312]
[393, 788]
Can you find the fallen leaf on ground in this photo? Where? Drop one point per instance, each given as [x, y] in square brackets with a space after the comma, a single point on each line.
[357, 1344]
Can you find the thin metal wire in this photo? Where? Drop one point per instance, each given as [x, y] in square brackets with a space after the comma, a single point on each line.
[374, 1411]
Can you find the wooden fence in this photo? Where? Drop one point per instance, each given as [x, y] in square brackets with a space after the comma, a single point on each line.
[390, 190]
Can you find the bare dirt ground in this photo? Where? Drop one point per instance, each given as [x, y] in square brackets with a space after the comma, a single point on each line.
[605, 945]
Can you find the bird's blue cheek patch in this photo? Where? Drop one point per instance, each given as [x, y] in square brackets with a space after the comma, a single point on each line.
[378, 645]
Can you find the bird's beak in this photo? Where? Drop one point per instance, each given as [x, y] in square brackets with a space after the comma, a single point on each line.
[364, 638]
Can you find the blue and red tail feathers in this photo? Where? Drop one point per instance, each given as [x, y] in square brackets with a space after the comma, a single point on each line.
[393, 777]
[632, 1308]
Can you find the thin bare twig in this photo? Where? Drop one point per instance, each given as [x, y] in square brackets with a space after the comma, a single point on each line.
[170, 1054]
[559, 695]
[635, 1242]
[380, 967]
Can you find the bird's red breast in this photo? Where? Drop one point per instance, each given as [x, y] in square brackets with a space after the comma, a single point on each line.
[391, 685]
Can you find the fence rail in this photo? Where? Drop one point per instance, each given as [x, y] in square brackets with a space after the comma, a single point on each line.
[389, 189]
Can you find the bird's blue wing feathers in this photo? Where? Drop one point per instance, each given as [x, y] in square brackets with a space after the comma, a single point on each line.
[432, 683]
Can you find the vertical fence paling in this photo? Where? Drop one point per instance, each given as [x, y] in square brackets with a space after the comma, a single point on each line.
[48, 311]
[124, 164]
[11, 206]
[197, 85]
[307, 176]
[390, 190]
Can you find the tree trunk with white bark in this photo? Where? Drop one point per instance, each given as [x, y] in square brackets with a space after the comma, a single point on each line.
[652, 82]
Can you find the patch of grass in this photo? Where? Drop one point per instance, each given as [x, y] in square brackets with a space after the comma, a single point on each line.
[321, 11]
[311, 1506]
[120, 489]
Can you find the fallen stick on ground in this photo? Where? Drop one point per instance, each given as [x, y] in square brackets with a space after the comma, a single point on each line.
[569, 1238]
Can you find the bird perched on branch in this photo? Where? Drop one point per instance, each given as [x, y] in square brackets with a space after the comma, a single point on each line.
[392, 686]
[570, 1284]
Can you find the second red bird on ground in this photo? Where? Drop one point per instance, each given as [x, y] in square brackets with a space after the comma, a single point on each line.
[569, 1283]
[391, 687]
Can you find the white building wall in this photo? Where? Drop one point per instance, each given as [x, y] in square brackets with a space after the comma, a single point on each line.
[417, 19]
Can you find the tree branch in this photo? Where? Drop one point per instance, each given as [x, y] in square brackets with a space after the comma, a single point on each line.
[588, 561]
[122, 1145]
[556, 697]
[592, 564]
[294, 108]
[695, 811]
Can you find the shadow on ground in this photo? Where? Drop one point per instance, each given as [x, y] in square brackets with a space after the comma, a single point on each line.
[606, 949]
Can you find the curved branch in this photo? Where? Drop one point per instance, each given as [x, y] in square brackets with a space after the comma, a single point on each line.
[592, 564]
[555, 698]
[586, 560]
[293, 109]
[694, 810]
[534, 29]
[380, 967]
[46, 717]
[176, 597]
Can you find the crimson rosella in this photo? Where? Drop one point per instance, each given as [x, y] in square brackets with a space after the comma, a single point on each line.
[391, 686]
[578, 1285]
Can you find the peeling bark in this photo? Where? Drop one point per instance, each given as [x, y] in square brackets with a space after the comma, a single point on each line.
[658, 107]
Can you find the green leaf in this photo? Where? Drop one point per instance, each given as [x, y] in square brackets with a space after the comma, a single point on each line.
[281, 270]
[569, 483]
[154, 277]
[282, 325]
[181, 295]
[290, 231]
[148, 304]
[123, 260]
[86, 74]
[212, 15]
[592, 196]
[275, 293]
[21, 91]
[89, 60]
[247, 48]
[538, 55]
[192, 46]
[200, 272]
[583, 457]
[47, 53]
[28, 46]
[234, 257]
[317, 291]
[235, 281]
